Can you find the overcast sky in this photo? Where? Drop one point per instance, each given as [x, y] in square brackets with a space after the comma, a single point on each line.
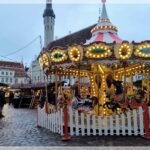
[21, 23]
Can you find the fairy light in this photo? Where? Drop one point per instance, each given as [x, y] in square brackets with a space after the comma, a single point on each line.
[44, 60]
[139, 51]
[99, 28]
[106, 51]
[124, 51]
[62, 57]
[74, 54]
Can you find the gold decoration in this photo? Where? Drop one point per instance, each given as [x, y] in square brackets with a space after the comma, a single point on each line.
[124, 51]
[44, 60]
[143, 51]
[75, 54]
[98, 51]
[58, 56]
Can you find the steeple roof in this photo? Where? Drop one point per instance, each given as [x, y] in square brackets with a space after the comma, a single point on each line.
[104, 31]
[104, 12]
[48, 12]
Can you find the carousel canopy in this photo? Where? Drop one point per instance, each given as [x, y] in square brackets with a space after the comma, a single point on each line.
[104, 48]
[104, 31]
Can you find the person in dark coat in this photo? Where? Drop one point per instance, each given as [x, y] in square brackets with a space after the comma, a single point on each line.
[2, 102]
[76, 88]
[11, 97]
[42, 98]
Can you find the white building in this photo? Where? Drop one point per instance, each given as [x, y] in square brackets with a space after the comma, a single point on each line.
[35, 72]
[12, 73]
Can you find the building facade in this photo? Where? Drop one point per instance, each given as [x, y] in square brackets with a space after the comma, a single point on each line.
[12, 73]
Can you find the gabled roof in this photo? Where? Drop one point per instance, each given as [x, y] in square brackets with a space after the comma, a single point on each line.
[9, 64]
[18, 68]
[74, 38]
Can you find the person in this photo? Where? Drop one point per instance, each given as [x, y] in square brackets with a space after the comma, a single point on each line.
[11, 97]
[2, 102]
[76, 88]
[42, 98]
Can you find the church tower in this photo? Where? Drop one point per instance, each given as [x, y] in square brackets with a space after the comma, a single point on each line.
[49, 22]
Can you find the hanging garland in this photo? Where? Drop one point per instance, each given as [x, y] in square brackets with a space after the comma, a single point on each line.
[75, 54]
[97, 51]
[124, 51]
[143, 51]
[58, 56]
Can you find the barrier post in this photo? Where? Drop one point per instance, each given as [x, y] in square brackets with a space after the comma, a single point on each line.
[66, 136]
[146, 122]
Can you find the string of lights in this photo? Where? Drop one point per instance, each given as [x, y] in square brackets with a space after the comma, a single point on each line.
[20, 49]
[27, 45]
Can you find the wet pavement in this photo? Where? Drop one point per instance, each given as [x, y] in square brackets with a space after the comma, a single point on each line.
[18, 128]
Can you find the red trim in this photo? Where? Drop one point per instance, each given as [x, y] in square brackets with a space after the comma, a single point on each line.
[100, 37]
[113, 36]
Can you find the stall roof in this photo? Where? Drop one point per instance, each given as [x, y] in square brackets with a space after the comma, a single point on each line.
[38, 85]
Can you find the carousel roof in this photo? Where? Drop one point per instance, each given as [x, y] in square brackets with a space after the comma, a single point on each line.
[104, 31]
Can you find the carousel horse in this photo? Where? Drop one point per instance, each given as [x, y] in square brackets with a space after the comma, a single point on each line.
[137, 100]
[117, 100]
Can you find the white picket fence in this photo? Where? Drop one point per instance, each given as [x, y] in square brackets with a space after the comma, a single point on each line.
[86, 125]
[53, 121]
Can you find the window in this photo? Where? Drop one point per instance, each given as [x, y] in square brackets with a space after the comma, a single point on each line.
[16, 80]
[2, 80]
[6, 80]
[2, 73]
[6, 73]
[38, 78]
[11, 73]
[10, 80]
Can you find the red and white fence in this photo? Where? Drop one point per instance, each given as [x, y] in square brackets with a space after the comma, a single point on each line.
[131, 123]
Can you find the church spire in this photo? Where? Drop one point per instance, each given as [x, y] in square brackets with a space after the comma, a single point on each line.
[49, 4]
[49, 10]
[104, 11]
[49, 22]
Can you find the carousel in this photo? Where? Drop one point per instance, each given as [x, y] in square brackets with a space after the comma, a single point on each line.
[103, 69]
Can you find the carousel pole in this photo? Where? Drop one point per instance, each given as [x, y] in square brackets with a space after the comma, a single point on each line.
[131, 84]
[124, 82]
[46, 96]
[60, 79]
[98, 93]
[79, 85]
[56, 88]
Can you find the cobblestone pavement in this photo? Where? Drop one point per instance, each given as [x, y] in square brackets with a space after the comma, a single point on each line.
[18, 128]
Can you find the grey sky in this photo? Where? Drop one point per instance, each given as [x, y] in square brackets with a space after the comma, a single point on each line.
[20, 24]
